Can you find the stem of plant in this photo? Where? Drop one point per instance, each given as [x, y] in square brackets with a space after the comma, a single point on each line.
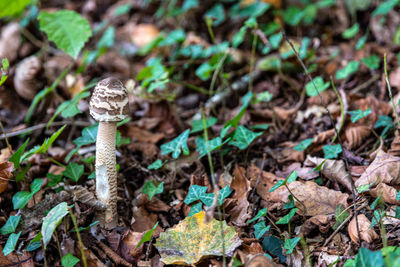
[253, 59]
[390, 93]
[298, 200]
[336, 132]
[58, 244]
[341, 110]
[83, 255]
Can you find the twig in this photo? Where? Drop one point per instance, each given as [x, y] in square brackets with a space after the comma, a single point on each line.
[43, 125]
[338, 136]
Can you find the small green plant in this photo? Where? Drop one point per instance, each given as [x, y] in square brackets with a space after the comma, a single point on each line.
[151, 189]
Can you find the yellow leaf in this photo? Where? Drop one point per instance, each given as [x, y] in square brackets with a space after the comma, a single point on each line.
[192, 239]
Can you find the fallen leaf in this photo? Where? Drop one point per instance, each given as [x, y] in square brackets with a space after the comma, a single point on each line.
[6, 169]
[323, 222]
[394, 78]
[395, 145]
[356, 135]
[260, 260]
[131, 240]
[388, 193]
[143, 34]
[192, 239]
[334, 170]
[266, 182]
[366, 233]
[384, 169]
[143, 136]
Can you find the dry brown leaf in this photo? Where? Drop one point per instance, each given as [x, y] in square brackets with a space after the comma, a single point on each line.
[318, 200]
[334, 170]
[304, 173]
[324, 136]
[285, 114]
[328, 97]
[112, 61]
[25, 82]
[384, 169]
[323, 222]
[395, 145]
[149, 151]
[143, 34]
[131, 240]
[266, 182]
[143, 136]
[10, 41]
[388, 193]
[260, 260]
[394, 78]
[6, 169]
[23, 260]
[366, 233]
[356, 135]
[75, 84]
[377, 107]
[5, 154]
[289, 155]
[239, 213]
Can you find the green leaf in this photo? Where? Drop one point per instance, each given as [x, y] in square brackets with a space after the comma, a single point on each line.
[176, 145]
[274, 246]
[195, 209]
[367, 258]
[73, 171]
[197, 125]
[377, 201]
[290, 244]
[53, 179]
[20, 199]
[67, 29]
[11, 225]
[224, 193]
[204, 70]
[52, 220]
[147, 236]
[237, 39]
[364, 188]
[291, 178]
[378, 215]
[11, 8]
[293, 15]
[260, 228]
[11, 243]
[351, 32]
[213, 144]
[217, 13]
[245, 103]
[277, 185]
[275, 40]
[372, 62]
[151, 190]
[69, 260]
[361, 42]
[340, 215]
[350, 68]
[398, 196]
[359, 114]
[107, 40]
[303, 145]
[207, 199]
[243, 137]
[16, 157]
[385, 7]
[174, 37]
[332, 151]
[88, 136]
[156, 165]
[285, 219]
[319, 83]
[260, 213]
[35, 243]
[263, 126]
[189, 4]
[195, 192]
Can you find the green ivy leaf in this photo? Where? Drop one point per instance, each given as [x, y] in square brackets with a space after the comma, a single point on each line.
[213, 144]
[293, 15]
[11, 243]
[174, 37]
[195, 209]
[290, 244]
[332, 151]
[378, 215]
[11, 8]
[319, 83]
[385, 7]
[303, 145]
[372, 62]
[243, 137]
[361, 42]
[277, 185]
[35, 243]
[340, 215]
[69, 260]
[156, 165]
[21, 198]
[217, 13]
[147, 236]
[359, 114]
[11, 225]
[238, 38]
[260, 228]
[52, 220]
[364, 188]
[67, 29]
[195, 192]
[224, 193]
[197, 125]
[350, 68]
[367, 258]
[291, 178]
[207, 199]
[16, 157]
[260, 213]
[351, 32]
[285, 219]
[73, 171]
[151, 190]
[88, 136]
[176, 145]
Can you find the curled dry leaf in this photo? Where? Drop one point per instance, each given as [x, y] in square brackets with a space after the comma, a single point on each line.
[192, 239]
[289, 155]
[328, 96]
[388, 193]
[6, 169]
[130, 241]
[285, 114]
[334, 170]
[384, 169]
[239, 213]
[260, 260]
[323, 222]
[377, 108]
[266, 182]
[356, 135]
[10, 41]
[24, 80]
[324, 136]
[366, 233]
[318, 200]
[395, 145]
[143, 136]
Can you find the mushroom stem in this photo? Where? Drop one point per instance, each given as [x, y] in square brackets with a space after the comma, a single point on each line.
[106, 173]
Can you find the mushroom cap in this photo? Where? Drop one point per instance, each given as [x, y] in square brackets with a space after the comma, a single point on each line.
[109, 101]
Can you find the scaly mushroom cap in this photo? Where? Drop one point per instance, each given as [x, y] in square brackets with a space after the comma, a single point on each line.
[109, 101]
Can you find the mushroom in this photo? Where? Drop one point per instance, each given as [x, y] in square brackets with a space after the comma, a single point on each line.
[108, 105]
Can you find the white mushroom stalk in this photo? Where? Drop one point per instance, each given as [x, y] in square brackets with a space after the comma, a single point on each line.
[108, 105]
